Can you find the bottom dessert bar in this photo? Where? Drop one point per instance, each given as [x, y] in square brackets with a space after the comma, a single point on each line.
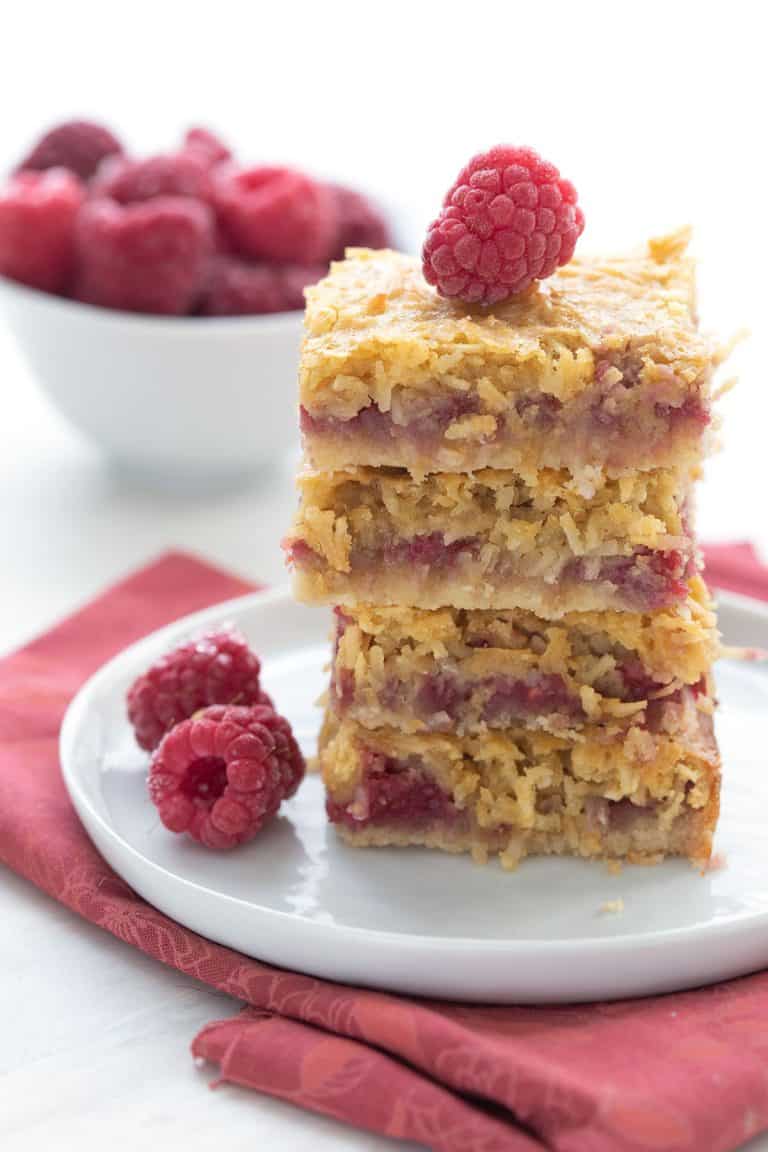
[522, 793]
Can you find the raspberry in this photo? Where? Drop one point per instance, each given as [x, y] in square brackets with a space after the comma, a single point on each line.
[77, 144]
[276, 214]
[236, 288]
[223, 773]
[295, 278]
[145, 257]
[207, 145]
[359, 223]
[508, 220]
[177, 174]
[37, 227]
[218, 668]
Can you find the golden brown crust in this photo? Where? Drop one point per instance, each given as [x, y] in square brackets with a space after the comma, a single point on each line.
[374, 325]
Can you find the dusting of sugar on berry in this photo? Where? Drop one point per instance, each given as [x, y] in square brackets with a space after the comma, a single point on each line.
[223, 773]
[508, 220]
[217, 668]
[150, 256]
[79, 145]
[38, 211]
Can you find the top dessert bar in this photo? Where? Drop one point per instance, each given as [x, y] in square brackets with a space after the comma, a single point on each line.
[600, 365]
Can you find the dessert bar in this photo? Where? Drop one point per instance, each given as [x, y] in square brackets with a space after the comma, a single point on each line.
[521, 792]
[453, 670]
[601, 364]
[494, 539]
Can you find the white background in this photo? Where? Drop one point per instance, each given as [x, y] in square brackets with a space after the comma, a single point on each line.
[654, 110]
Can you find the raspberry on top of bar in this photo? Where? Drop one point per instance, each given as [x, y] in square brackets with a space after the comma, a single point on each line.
[601, 364]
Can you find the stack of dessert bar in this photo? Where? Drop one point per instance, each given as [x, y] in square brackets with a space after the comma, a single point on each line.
[498, 503]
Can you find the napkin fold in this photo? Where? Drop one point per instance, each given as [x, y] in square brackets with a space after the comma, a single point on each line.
[679, 1072]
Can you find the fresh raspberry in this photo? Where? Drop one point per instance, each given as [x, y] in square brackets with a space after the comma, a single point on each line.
[223, 773]
[218, 668]
[207, 145]
[236, 288]
[175, 174]
[144, 257]
[295, 278]
[508, 220]
[359, 223]
[37, 227]
[77, 145]
[275, 214]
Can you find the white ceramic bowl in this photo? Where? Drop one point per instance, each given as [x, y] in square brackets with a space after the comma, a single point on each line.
[171, 397]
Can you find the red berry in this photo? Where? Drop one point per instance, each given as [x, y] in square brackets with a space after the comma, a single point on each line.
[77, 144]
[143, 257]
[223, 773]
[275, 214]
[295, 278]
[508, 220]
[236, 288]
[207, 145]
[176, 174]
[217, 668]
[359, 223]
[37, 227]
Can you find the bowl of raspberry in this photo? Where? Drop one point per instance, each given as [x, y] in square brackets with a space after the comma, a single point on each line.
[159, 300]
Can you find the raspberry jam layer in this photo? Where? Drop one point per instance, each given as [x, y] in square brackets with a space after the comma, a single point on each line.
[616, 424]
[392, 793]
[641, 582]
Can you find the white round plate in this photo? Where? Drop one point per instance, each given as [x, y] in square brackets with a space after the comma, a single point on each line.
[417, 921]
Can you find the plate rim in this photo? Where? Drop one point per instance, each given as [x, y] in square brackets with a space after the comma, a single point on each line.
[608, 945]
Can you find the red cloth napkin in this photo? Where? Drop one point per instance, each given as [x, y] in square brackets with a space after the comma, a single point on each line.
[682, 1072]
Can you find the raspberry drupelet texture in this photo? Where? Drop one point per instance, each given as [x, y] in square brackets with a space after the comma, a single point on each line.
[218, 668]
[38, 211]
[78, 145]
[509, 219]
[223, 773]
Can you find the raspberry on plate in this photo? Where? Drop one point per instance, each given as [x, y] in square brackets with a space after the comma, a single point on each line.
[275, 214]
[359, 223]
[78, 145]
[176, 174]
[223, 773]
[207, 145]
[509, 219]
[217, 668]
[37, 227]
[149, 256]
